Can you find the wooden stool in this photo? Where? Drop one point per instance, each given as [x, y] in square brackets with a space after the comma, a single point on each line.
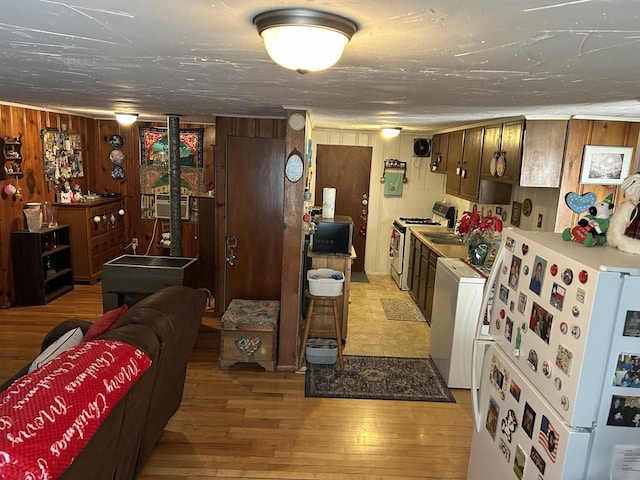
[249, 331]
[336, 320]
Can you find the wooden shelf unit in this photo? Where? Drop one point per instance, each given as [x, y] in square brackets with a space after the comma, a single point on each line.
[41, 264]
[93, 244]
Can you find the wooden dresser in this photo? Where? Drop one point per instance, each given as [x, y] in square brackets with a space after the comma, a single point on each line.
[92, 243]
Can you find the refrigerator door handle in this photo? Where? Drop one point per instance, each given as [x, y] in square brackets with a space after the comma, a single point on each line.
[474, 385]
[493, 274]
[495, 271]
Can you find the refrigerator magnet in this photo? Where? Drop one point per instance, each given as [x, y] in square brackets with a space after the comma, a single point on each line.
[532, 360]
[499, 376]
[546, 369]
[514, 390]
[522, 302]
[564, 359]
[631, 324]
[504, 449]
[492, 417]
[548, 438]
[508, 329]
[537, 460]
[508, 424]
[519, 462]
[558, 294]
[528, 420]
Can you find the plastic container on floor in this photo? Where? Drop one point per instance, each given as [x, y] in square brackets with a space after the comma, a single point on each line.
[322, 351]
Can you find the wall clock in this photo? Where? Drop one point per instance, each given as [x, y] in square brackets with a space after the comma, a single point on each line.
[296, 121]
[294, 169]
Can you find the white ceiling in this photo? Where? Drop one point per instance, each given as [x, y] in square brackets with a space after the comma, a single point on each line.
[418, 64]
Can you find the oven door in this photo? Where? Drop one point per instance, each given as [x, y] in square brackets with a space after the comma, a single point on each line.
[396, 250]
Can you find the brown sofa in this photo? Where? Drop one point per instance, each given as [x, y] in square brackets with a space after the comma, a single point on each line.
[164, 325]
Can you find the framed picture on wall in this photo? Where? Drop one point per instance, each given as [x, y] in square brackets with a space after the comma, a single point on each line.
[516, 210]
[604, 165]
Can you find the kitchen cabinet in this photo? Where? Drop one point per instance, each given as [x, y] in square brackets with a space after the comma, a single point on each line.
[543, 153]
[509, 160]
[424, 277]
[431, 282]
[41, 265]
[411, 253]
[439, 149]
[463, 170]
[490, 151]
[414, 255]
[470, 172]
[93, 243]
[526, 153]
[454, 162]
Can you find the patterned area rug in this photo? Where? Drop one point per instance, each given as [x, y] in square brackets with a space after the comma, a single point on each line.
[378, 378]
[401, 310]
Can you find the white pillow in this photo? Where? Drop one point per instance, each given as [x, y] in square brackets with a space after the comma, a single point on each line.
[66, 341]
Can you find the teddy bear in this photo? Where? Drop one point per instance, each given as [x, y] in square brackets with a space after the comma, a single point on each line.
[624, 227]
[592, 228]
[165, 241]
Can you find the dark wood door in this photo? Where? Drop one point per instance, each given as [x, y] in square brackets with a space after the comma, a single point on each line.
[347, 169]
[254, 218]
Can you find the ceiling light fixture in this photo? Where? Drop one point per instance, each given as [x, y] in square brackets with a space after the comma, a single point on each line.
[126, 118]
[391, 132]
[302, 39]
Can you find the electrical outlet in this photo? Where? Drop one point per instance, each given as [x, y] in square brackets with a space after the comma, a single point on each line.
[134, 242]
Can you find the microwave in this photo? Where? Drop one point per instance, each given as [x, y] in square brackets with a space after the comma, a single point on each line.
[332, 235]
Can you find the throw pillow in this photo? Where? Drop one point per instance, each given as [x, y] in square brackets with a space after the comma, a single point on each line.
[66, 341]
[105, 323]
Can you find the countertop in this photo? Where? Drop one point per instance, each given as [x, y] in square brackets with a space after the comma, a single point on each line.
[444, 250]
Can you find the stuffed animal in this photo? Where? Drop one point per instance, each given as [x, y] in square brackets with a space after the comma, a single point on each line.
[592, 228]
[624, 227]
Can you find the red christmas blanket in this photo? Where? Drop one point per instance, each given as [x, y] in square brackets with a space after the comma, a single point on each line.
[48, 416]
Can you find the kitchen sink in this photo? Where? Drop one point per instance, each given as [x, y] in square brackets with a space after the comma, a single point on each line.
[437, 234]
[451, 240]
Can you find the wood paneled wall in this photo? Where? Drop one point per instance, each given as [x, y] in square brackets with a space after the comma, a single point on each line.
[28, 122]
[592, 132]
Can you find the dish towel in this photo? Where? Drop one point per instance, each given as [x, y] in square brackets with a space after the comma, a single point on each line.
[393, 184]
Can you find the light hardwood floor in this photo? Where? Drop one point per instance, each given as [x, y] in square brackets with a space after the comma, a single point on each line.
[253, 424]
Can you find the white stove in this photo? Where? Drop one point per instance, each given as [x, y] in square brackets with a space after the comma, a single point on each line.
[445, 215]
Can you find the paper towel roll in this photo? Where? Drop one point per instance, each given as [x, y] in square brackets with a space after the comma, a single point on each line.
[328, 202]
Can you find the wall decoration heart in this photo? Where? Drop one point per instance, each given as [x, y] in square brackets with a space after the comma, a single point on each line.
[525, 248]
[248, 346]
[580, 203]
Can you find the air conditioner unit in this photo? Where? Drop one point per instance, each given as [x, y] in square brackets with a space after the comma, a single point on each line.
[162, 207]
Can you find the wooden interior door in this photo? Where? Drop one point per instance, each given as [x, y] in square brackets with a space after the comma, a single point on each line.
[254, 218]
[347, 169]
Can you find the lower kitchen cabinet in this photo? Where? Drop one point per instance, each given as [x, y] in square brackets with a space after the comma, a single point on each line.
[41, 265]
[422, 276]
[415, 250]
[431, 282]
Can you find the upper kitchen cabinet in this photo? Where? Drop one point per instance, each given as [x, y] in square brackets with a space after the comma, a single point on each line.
[439, 149]
[543, 153]
[526, 153]
[463, 169]
[454, 162]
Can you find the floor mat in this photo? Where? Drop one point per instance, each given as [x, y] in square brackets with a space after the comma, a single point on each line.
[402, 310]
[360, 277]
[379, 378]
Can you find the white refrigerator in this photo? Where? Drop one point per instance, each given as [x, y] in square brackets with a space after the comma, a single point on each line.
[558, 395]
